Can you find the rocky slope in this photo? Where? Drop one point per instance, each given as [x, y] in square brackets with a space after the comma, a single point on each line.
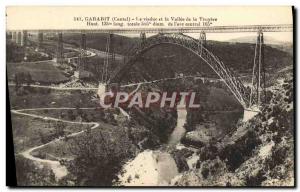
[259, 153]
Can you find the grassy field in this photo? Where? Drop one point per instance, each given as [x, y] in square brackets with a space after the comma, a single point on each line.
[29, 132]
[50, 47]
[16, 53]
[43, 72]
[41, 98]
[86, 115]
[112, 135]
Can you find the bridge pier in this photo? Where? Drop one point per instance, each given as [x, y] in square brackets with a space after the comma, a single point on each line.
[258, 73]
[83, 51]
[59, 54]
[14, 36]
[142, 39]
[24, 38]
[19, 37]
[79, 73]
[201, 42]
[40, 39]
[111, 49]
[109, 60]
[250, 113]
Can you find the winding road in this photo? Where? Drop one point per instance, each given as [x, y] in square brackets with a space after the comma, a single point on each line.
[59, 170]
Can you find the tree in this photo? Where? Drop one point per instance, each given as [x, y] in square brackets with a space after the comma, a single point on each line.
[71, 115]
[17, 82]
[97, 162]
[59, 129]
[28, 79]
[28, 174]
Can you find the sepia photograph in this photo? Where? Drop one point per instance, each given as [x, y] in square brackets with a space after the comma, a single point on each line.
[189, 96]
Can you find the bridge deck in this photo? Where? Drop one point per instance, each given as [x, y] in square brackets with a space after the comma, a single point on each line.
[211, 29]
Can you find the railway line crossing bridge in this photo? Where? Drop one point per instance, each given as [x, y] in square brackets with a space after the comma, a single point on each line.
[251, 100]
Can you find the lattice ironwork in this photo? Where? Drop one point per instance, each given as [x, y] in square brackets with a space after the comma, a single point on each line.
[82, 58]
[40, 39]
[209, 29]
[60, 55]
[230, 79]
[109, 60]
[258, 91]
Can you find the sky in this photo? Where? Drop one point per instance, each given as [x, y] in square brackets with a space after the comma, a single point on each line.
[227, 16]
[59, 18]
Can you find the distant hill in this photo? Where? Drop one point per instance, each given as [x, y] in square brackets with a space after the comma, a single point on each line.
[239, 56]
[284, 46]
[252, 39]
[165, 60]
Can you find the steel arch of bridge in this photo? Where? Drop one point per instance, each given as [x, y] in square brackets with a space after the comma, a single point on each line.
[193, 45]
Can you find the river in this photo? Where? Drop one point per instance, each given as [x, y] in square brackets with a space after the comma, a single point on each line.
[155, 167]
[179, 130]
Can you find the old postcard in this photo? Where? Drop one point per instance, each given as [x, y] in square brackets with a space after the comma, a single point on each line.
[151, 96]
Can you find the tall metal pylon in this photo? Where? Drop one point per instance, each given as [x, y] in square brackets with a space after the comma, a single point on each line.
[112, 54]
[109, 60]
[24, 38]
[202, 41]
[82, 59]
[142, 46]
[19, 38]
[60, 55]
[258, 91]
[142, 39]
[14, 36]
[40, 39]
